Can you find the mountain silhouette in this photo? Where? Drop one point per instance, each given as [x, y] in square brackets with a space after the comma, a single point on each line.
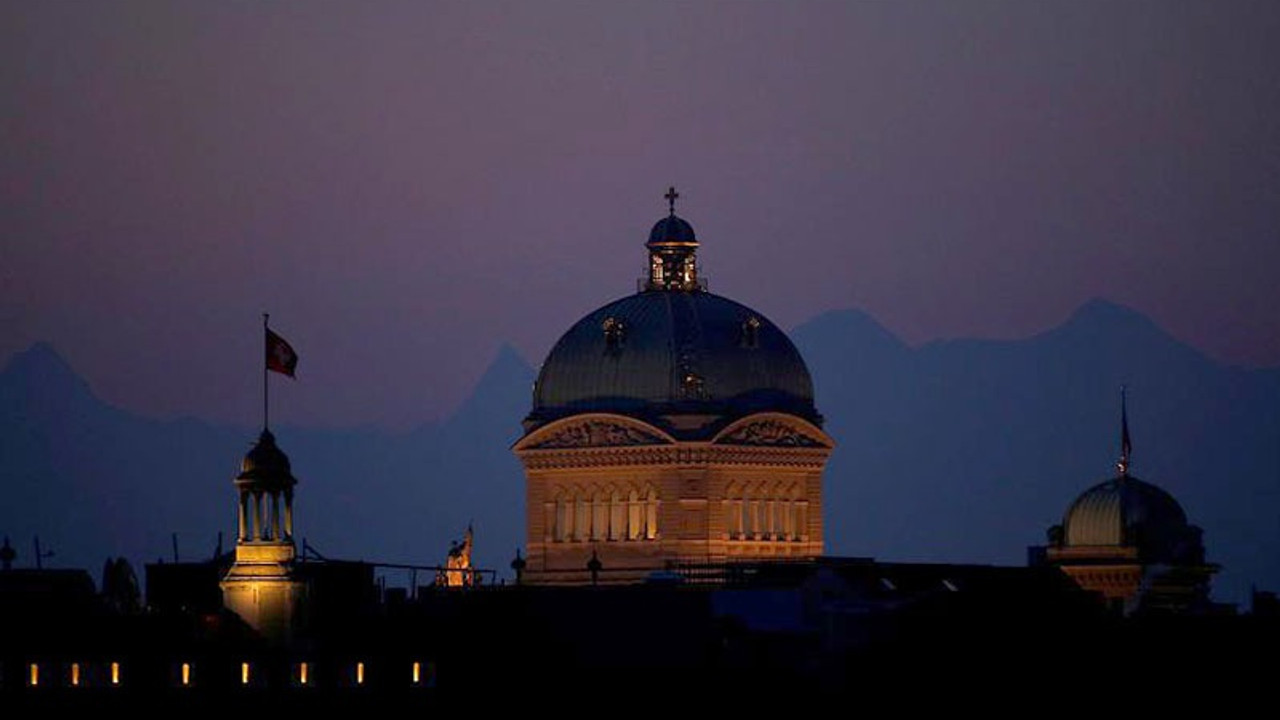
[954, 451]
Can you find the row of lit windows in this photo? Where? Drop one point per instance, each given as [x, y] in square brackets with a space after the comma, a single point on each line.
[583, 519]
[76, 674]
[303, 674]
[766, 519]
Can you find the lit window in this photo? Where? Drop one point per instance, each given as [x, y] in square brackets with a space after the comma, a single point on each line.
[417, 673]
[635, 516]
[359, 673]
[303, 676]
[244, 673]
[651, 516]
[34, 678]
[115, 673]
[75, 675]
[186, 674]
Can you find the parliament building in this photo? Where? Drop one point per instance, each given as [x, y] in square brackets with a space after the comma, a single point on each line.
[670, 427]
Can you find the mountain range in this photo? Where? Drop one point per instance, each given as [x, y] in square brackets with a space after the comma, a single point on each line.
[952, 451]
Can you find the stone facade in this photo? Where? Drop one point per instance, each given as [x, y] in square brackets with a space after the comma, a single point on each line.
[639, 500]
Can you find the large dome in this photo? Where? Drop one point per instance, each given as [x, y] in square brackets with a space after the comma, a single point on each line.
[1127, 511]
[673, 354]
[659, 353]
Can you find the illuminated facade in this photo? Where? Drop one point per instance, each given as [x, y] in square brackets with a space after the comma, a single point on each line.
[262, 586]
[672, 426]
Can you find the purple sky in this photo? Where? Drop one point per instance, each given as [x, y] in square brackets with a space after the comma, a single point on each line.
[405, 186]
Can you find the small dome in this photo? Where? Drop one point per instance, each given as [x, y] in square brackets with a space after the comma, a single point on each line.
[266, 465]
[1129, 512]
[671, 229]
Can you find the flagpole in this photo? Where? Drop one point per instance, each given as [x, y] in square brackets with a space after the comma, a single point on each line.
[263, 360]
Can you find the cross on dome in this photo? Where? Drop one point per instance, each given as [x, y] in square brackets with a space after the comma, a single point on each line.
[671, 197]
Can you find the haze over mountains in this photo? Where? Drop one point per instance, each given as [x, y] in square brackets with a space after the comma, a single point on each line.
[955, 451]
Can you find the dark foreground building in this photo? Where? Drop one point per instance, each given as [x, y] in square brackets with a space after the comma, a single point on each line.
[731, 634]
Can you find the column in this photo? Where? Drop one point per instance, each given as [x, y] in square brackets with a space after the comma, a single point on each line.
[244, 512]
[257, 515]
[275, 515]
[288, 514]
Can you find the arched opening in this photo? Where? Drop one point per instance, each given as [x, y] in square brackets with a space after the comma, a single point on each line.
[617, 515]
[651, 514]
[635, 516]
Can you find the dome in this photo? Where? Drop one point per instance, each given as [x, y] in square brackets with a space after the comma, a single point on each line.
[659, 353]
[1127, 511]
[671, 229]
[266, 465]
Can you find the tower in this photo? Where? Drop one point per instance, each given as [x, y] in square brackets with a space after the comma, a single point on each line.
[262, 586]
[671, 426]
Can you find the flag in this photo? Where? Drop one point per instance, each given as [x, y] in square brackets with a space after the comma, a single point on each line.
[280, 355]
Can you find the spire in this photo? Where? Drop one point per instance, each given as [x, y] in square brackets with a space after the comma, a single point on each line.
[1126, 446]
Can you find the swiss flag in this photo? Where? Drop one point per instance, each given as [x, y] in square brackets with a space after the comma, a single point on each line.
[280, 355]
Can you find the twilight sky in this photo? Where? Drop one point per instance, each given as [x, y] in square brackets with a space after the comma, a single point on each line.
[407, 185]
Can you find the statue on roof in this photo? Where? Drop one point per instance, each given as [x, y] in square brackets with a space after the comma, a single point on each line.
[458, 571]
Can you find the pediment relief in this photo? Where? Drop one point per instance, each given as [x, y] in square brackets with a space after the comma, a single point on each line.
[769, 432]
[597, 433]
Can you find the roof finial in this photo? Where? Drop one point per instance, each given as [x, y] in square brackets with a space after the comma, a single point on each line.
[1126, 446]
[671, 197]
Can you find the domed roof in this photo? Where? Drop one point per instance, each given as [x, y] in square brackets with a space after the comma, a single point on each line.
[266, 465]
[671, 229]
[660, 352]
[1127, 511]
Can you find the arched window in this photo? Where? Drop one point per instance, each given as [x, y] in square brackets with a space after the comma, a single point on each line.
[755, 525]
[635, 516]
[617, 516]
[555, 519]
[599, 515]
[582, 518]
[788, 522]
[651, 515]
[733, 511]
[790, 525]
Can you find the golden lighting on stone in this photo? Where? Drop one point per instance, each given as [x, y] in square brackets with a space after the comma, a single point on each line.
[34, 678]
[244, 673]
[75, 674]
[359, 673]
[115, 673]
[186, 674]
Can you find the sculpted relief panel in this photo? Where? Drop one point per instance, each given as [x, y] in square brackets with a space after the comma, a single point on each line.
[598, 433]
[770, 432]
